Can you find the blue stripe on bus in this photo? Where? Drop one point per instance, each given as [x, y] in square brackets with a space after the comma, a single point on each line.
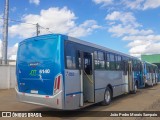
[73, 93]
[95, 89]
[112, 86]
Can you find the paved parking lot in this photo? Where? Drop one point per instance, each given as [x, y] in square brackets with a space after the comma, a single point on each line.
[147, 99]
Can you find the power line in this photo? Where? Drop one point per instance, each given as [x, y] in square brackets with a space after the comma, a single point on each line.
[18, 21]
[47, 29]
[37, 26]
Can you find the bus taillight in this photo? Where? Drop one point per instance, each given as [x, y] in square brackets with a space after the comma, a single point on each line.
[57, 83]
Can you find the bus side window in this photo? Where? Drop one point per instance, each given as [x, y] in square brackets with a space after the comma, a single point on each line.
[70, 56]
[118, 62]
[122, 63]
[101, 60]
[119, 59]
[135, 65]
[107, 61]
[112, 61]
[139, 66]
[125, 64]
[96, 62]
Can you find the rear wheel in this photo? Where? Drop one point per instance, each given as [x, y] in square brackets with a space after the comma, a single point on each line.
[107, 97]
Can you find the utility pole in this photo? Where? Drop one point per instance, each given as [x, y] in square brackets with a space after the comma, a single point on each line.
[37, 29]
[5, 33]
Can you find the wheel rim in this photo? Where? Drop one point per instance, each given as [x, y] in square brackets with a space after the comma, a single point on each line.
[107, 96]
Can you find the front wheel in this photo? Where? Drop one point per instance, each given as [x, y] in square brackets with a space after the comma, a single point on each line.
[107, 97]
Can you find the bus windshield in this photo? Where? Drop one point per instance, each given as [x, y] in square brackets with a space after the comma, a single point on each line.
[40, 50]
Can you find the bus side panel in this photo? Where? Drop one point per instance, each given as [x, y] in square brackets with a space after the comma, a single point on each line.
[103, 78]
[136, 78]
[149, 79]
[72, 89]
[154, 78]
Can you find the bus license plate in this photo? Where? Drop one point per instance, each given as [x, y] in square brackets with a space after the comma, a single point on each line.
[34, 91]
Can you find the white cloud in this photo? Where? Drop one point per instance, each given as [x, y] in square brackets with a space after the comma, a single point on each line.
[151, 4]
[124, 17]
[36, 2]
[120, 30]
[12, 52]
[138, 49]
[144, 47]
[141, 4]
[125, 23]
[113, 16]
[133, 4]
[146, 37]
[84, 29]
[136, 43]
[103, 2]
[149, 44]
[153, 48]
[57, 20]
[141, 41]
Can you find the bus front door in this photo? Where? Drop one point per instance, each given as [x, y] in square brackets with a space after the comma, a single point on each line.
[142, 75]
[131, 82]
[128, 76]
[86, 77]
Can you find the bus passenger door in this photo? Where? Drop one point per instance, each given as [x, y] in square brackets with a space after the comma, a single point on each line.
[130, 77]
[142, 74]
[125, 74]
[86, 77]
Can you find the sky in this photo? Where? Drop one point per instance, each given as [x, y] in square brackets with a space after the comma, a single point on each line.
[128, 26]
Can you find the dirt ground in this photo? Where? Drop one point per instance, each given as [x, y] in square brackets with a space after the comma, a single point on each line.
[147, 99]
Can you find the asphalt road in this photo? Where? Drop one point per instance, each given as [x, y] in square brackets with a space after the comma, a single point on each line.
[147, 99]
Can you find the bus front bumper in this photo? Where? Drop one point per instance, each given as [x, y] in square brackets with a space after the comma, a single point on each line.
[49, 101]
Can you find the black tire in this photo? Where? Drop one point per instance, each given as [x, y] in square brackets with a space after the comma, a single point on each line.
[107, 96]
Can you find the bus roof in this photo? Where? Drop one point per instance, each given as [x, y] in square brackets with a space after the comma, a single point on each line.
[150, 63]
[46, 36]
[98, 46]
